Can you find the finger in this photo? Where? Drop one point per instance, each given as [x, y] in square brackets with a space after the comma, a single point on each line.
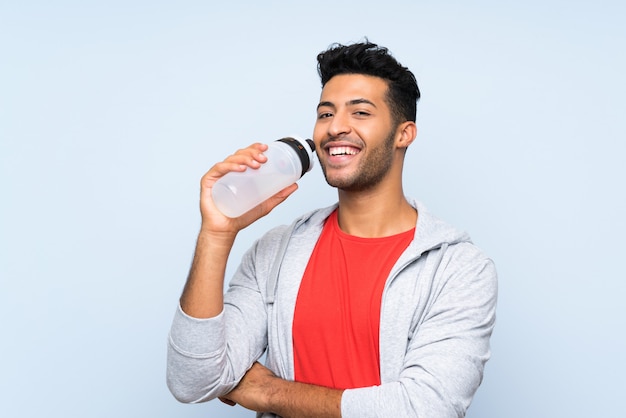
[265, 207]
[227, 401]
[281, 196]
[251, 156]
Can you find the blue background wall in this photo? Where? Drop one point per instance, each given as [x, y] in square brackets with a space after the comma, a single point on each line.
[110, 112]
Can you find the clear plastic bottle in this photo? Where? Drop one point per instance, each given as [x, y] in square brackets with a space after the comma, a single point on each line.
[288, 159]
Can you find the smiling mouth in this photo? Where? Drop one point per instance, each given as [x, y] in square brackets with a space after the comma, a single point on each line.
[336, 151]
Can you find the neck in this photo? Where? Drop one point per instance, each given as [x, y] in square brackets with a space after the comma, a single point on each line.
[377, 213]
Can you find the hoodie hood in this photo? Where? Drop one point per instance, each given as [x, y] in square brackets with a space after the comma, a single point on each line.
[430, 231]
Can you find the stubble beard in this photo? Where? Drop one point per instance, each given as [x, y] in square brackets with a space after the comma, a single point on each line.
[370, 171]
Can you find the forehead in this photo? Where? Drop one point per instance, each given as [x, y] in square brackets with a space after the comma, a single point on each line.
[345, 87]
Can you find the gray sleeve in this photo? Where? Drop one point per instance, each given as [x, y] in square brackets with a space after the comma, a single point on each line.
[445, 357]
[207, 357]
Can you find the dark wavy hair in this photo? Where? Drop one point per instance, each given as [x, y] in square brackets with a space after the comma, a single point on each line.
[370, 59]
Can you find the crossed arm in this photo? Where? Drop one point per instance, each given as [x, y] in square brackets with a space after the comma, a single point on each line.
[262, 391]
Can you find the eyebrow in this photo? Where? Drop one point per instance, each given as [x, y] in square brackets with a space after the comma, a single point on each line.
[352, 102]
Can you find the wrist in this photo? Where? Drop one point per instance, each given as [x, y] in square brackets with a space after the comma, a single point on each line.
[275, 394]
[216, 239]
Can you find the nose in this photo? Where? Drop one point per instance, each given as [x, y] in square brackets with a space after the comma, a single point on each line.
[339, 125]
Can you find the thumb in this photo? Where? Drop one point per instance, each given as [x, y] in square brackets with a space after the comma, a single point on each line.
[227, 401]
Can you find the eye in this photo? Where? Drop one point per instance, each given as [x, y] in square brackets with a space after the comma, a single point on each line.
[324, 115]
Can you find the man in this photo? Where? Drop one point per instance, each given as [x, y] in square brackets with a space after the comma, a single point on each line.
[372, 307]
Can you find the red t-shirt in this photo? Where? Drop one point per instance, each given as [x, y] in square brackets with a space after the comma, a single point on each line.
[337, 315]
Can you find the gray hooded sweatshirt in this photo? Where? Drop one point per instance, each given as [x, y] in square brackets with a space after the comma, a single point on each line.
[437, 316]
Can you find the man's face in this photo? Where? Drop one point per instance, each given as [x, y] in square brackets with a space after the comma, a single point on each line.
[354, 132]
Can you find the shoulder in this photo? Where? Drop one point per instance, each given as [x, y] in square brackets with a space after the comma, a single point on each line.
[467, 266]
[302, 225]
[301, 228]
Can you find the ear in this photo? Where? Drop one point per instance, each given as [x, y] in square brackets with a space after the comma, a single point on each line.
[405, 134]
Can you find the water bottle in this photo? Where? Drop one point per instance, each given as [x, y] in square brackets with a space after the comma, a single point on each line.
[288, 159]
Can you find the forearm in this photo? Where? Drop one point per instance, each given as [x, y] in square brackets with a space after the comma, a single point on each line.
[262, 391]
[203, 295]
[300, 400]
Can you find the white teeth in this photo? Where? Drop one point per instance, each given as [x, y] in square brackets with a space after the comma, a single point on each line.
[342, 151]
